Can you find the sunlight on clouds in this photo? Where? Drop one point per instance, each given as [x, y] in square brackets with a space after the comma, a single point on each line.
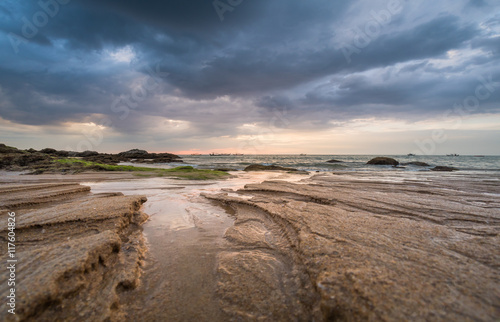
[471, 122]
[79, 127]
[452, 53]
[161, 127]
[456, 57]
[122, 55]
[492, 26]
[176, 124]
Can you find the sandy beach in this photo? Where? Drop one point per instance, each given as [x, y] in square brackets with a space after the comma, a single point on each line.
[256, 246]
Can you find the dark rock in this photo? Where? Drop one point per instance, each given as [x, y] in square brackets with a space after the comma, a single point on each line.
[334, 161]
[16, 161]
[87, 153]
[112, 159]
[25, 160]
[443, 168]
[383, 161]
[165, 156]
[59, 153]
[416, 163]
[46, 160]
[260, 167]
[48, 151]
[62, 153]
[134, 153]
[142, 156]
[157, 160]
[8, 149]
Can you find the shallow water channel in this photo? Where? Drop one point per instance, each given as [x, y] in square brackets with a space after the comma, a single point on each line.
[184, 234]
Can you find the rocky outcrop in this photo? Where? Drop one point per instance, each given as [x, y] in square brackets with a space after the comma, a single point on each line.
[8, 149]
[260, 167]
[383, 161]
[444, 168]
[48, 151]
[334, 161]
[20, 161]
[143, 156]
[105, 158]
[331, 248]
[77, 252]
[87, 153]
[134, 153]
[44, 160]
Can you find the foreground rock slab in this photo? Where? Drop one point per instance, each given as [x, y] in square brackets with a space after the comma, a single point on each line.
[335, 247]
[76, 252]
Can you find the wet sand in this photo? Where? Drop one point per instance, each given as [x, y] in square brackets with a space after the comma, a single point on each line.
[347, 246]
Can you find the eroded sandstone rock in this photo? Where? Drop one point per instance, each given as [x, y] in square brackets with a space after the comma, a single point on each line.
[77, 252]
[358, 250]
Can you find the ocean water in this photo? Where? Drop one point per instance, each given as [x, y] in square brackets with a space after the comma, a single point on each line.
[350, 162]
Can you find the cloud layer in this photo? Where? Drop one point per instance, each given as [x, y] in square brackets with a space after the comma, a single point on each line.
[199, 70]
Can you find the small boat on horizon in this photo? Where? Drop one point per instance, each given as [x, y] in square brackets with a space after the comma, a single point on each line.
[452, 155]
[411, 154]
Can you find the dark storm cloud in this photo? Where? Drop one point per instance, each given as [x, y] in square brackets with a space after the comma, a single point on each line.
[255, 70]
[271, 55]
[43, 98]
[440, 93]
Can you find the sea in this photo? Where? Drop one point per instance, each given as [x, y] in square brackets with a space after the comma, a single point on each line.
[348, 162]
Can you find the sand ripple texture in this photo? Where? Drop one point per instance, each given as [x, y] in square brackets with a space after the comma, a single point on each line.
[336, 247]
[76, 251]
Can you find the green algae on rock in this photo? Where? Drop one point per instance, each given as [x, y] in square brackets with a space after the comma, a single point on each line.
[183, 172]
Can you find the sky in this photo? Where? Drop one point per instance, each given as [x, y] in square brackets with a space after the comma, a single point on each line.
[251, 76]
